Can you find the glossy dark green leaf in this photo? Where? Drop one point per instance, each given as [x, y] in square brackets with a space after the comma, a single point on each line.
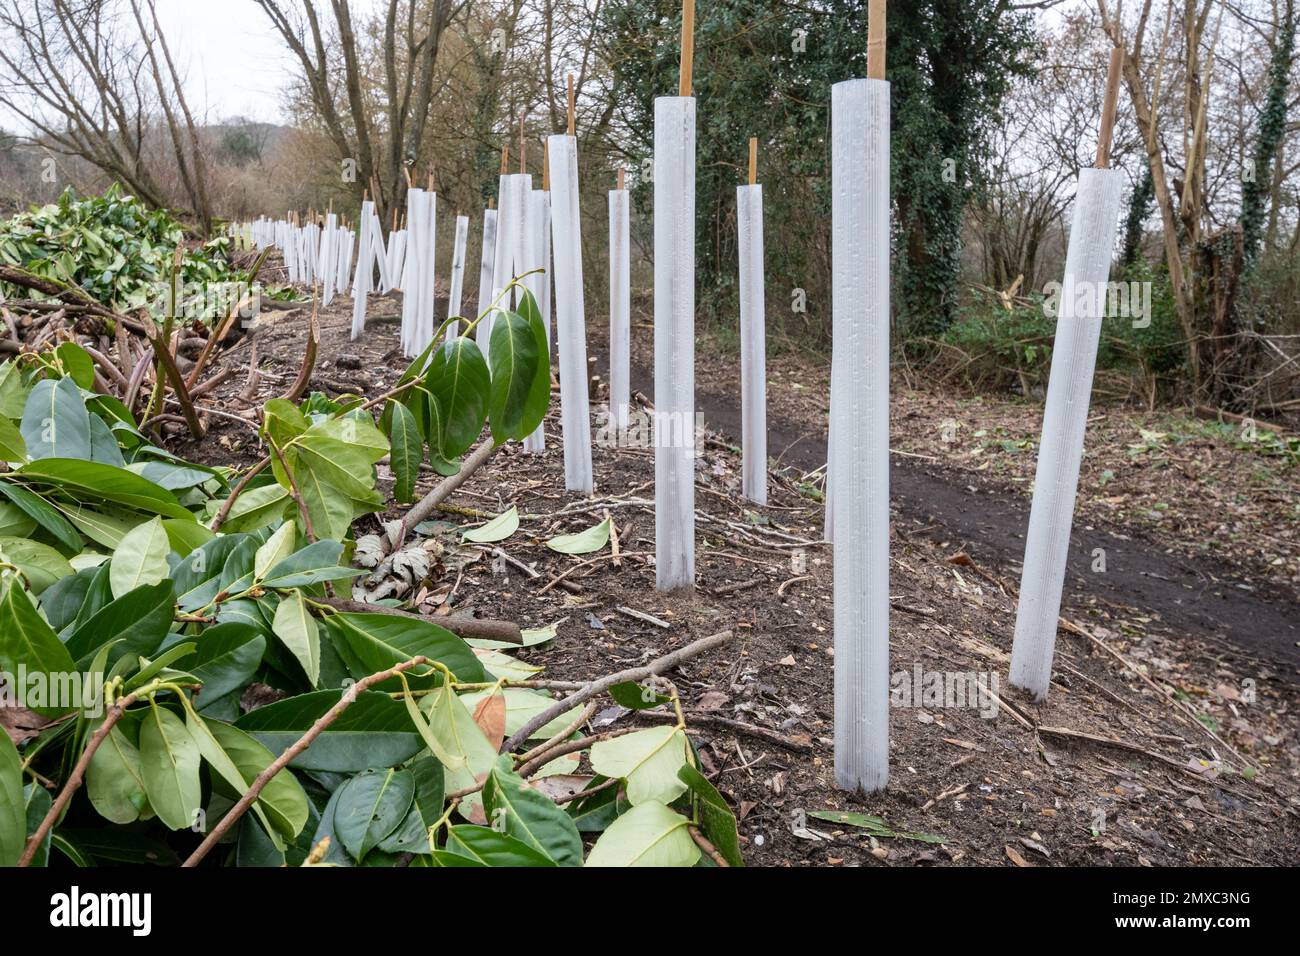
[66, 537]
[92, 480]
[314, 564]
[459, 383]
[407, 451]
[514, 360]
[374, 732]
[539, 392]
[198, 574]
[169, 761]
[529, 815]
[371, 806]
[37, 801]
[55, 421]
[487, 847]
[716, 819]
[378, 641]
[139, 619]
[412, 834]
[28, 642]
[13, 813]
[634, 696]
[226, 659]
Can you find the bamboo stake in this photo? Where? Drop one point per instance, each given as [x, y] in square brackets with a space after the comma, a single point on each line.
[572, 115]
[753, 160]
[523, 145]
[876, 40]
[688, 47]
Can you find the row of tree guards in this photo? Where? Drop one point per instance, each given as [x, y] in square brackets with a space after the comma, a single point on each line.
[535, 237]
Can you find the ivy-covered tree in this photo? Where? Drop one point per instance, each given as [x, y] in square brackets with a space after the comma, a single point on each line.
[1272, 129]
[764, 70]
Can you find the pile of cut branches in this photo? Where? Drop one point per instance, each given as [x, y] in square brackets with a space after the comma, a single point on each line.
[110, 292]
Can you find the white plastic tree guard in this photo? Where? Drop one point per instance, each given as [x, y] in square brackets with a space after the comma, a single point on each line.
[753, 344]
[370, 253]
[327, 257]
[620, 310]
[536, 222]
[343, 243]
[424, 328]
[1065, 419]
[361, 280]
[542, 219]
[570, 314]
[457, 275]
[674, 310]
[416, 208]
[396, 256]
[487, 259]
[859, 456]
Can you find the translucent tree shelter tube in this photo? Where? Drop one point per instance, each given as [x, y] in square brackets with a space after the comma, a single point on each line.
[370, 253]
[620, 308]
[859, 457]
[503, 251]
[416, 209]
[570, 309]
[674, 316]
[753, 348]
[1065, 417]
[328, 257]
[534, 220]
[486, 265]
[457, 274]
[361, 279]
[424, 327]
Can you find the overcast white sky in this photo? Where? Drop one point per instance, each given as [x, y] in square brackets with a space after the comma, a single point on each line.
[234, 61]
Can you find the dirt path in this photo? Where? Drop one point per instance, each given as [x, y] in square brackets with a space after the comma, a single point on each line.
[994, 785]
[1205, 597]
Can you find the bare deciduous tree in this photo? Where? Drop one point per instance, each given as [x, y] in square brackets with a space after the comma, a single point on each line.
[95, 79]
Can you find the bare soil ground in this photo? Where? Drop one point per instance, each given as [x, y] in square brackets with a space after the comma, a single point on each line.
[1163, 741]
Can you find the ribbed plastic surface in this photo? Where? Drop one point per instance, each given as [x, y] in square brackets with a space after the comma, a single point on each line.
[537, 221]
[674, 308]
[424, 328]
[457, 274]
[509, 222]
[860, 424]
[570, 313]
[415, 239]
[620, 309]
[487, 258]
[361, 278]
[753, 348]
[1065, 418]
[329, 258]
